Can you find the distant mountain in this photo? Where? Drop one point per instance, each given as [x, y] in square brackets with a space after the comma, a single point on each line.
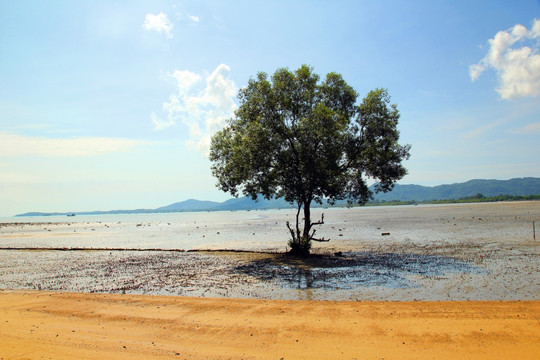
[246, 203]
[519, 186]
[190, 205]
[241, 203]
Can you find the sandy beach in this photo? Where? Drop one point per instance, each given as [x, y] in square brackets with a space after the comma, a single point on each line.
[47, 325]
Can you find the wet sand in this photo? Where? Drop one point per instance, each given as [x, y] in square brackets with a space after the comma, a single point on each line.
[433, 253]
[380, 273]
[348, 229]
[43, 325]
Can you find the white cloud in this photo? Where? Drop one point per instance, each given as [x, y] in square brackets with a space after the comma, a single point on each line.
[203, 110]
[476, 70]
[185, 80]
[18, 145]
[202, 144]
[160, 124]
[159, 23]
[194, 18]
[518, 69]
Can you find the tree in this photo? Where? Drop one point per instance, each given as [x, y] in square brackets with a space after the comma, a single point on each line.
[307, 141]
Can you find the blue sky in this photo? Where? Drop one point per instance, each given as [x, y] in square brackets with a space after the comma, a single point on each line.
[108, 105]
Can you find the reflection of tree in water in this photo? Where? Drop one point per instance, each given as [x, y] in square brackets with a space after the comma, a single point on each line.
[359, 269]
[303, 278]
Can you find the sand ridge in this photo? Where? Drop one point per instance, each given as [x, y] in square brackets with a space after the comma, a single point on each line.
[35, 325]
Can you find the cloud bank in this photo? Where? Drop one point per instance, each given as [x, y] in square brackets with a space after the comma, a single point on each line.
[18, 145]
[160, 23]
[203, 109]
[518, 68]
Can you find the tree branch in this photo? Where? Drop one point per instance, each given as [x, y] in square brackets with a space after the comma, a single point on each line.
[320, 222]
[320, 240]
[291, 230]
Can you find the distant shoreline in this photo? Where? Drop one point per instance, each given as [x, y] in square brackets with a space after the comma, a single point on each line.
[478, 190]
[465, 200]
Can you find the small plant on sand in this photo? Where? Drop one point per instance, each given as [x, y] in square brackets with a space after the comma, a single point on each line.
[306, 140]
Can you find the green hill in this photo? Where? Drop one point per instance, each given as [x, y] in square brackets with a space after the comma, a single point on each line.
[488, 188]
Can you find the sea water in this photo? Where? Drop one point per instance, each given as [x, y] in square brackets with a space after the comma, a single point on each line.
[187, 230]
[262, 230]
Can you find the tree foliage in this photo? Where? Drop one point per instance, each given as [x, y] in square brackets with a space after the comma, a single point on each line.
[306, 140]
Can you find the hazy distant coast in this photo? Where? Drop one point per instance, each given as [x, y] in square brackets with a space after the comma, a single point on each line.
[404, 193]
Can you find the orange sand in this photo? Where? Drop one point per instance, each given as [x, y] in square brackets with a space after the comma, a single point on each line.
[43, 325]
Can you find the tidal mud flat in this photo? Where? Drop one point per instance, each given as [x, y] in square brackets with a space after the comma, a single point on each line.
[450, 252]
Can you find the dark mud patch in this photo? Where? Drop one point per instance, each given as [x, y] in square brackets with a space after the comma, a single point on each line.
[364, 269]
[387, 271]
[130, 272]
[218, 273]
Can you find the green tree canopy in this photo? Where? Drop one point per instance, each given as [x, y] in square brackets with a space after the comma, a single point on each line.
[306, 140]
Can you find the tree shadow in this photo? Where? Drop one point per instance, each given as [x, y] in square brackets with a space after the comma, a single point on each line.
[360, 269]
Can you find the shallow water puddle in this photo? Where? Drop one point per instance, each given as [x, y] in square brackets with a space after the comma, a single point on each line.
[365, 269]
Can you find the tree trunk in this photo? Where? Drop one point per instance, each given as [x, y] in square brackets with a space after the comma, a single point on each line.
[307, 220]
[300, 242]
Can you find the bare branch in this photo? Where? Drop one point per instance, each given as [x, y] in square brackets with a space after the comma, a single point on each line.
[291, 230]
[320, 240]
[321, 222]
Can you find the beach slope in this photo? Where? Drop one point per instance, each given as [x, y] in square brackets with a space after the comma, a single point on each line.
[42, 325]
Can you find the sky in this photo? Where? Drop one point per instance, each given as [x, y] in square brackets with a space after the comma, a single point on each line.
[111, 104]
